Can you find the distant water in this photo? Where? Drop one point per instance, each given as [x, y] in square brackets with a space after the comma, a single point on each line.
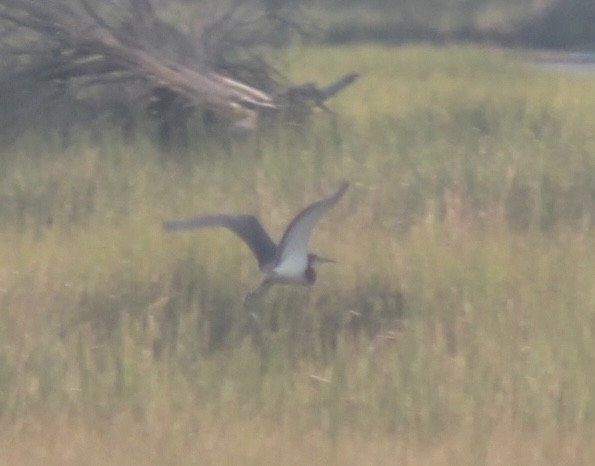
[582, 62]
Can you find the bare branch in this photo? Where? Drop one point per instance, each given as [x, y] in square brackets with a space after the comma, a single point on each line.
[97, 17]
[72, 44]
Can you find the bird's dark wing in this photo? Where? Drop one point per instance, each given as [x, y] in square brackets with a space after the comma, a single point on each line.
[294, 242]
[246, 227]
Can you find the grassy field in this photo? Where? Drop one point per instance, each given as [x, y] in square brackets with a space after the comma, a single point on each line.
[457, 328]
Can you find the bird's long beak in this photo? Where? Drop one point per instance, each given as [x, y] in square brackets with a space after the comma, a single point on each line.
[322, 260]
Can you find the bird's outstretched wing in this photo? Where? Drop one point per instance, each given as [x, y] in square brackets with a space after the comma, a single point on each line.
[294, 243]
[246, 227]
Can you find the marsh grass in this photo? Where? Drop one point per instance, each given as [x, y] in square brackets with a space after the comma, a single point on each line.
[458, 326]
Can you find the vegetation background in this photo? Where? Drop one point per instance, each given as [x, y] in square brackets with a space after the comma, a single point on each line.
[458, 326]
[534, 23]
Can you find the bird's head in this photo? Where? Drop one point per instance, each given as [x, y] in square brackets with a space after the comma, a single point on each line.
[315, 259]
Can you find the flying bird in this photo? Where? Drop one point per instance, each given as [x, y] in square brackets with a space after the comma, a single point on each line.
[289, 262]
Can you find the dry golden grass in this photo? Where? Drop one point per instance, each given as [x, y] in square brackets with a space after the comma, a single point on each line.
[457, 327]
[188, 438]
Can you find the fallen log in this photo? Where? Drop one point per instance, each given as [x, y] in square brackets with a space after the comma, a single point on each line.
[74, 46]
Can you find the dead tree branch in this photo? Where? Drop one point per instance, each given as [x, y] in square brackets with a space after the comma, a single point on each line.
[67, 43]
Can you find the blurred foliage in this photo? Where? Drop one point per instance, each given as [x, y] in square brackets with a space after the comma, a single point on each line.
[536, 23]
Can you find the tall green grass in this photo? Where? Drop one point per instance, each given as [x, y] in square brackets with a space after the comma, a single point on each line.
[458, 326]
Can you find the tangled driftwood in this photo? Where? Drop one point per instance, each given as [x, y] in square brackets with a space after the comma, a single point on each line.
[123, 51]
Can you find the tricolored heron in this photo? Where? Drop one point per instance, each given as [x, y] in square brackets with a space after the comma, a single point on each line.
[289, 262]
